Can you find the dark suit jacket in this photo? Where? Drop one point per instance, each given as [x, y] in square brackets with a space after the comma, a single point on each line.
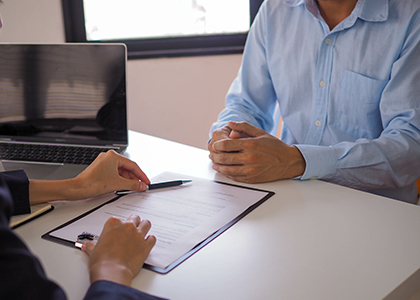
[21, 274]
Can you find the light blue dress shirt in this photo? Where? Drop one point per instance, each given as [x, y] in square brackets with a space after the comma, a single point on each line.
[349, 97]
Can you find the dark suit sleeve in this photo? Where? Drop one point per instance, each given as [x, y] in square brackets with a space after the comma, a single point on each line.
[22, 276]
[18, 184]
[106, 290]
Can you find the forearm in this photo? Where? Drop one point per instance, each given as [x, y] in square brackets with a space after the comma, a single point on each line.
[41, 191]
[108, 173]
[383, 163]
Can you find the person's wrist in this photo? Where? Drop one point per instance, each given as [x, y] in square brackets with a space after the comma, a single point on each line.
[73, 189]
[111, 271]
[50, 190]
[298, 163]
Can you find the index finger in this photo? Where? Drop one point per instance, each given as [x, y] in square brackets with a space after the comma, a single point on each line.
[221, 134]
[132, 167]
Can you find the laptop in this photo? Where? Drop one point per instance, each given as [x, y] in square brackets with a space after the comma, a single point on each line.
[60, 106]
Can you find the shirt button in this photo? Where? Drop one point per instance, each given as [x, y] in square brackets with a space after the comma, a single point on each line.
[328, 41]
[322, 83]
[317, 123]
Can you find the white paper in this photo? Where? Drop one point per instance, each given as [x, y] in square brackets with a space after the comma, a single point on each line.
[181, 216]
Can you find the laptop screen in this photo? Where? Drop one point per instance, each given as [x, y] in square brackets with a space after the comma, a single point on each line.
[63, 94]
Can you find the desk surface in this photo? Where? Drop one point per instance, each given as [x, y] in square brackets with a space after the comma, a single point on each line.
[311, 240]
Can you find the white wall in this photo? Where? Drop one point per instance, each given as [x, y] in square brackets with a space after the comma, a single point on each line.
[179, 98]
[173, 98]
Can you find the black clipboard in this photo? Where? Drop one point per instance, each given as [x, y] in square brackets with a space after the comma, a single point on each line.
[191, 252]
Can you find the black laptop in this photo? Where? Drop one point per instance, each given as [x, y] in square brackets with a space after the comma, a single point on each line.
[61, 104]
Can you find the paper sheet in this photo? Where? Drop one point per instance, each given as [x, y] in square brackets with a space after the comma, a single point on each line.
[181, 217]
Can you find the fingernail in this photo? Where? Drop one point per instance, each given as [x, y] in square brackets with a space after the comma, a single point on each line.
[143, 186]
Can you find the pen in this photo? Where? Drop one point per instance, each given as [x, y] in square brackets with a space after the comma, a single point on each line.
[157, 185]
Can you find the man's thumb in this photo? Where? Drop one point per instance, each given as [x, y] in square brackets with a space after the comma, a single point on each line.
[88, 247]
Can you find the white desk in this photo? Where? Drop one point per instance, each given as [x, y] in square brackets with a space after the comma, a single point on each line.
[312, 240]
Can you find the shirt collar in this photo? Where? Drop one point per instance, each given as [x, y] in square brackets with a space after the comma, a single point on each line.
[374, 10]
[368, 10]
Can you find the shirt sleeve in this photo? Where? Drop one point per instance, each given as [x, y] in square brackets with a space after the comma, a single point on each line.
[18, 184]
[106, 290]
[251, 97]
[391, 161]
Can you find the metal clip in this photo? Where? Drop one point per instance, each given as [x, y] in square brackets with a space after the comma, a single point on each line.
[84, 237]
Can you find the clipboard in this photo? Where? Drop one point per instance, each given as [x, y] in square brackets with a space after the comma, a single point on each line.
[71, 243]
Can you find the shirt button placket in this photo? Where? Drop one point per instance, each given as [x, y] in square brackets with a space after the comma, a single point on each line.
[321, 100]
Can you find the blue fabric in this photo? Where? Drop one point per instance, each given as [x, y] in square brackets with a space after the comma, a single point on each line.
[109, 291]
[349, 97]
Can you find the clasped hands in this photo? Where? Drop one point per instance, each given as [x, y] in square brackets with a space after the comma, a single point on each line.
[245, 153]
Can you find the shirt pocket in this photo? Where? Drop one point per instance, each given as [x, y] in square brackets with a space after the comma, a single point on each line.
[357, 112]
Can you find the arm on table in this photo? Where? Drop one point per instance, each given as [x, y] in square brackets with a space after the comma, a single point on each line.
[108, 173]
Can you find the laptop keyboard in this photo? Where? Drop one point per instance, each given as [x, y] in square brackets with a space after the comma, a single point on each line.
[49, 153]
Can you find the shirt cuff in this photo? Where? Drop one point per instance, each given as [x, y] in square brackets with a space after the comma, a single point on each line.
[321, 161]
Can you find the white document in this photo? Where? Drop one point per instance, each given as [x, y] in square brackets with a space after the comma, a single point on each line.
[181, 216]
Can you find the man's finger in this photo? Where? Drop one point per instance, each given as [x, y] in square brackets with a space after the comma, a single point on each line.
[237, 135]
[218, 135]
[228, 146]
[246, 129]
[227, 159]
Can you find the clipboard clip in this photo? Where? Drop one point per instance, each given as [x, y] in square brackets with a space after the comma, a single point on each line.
[85, 237]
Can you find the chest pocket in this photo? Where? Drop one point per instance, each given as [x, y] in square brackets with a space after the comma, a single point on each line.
[357, 112]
